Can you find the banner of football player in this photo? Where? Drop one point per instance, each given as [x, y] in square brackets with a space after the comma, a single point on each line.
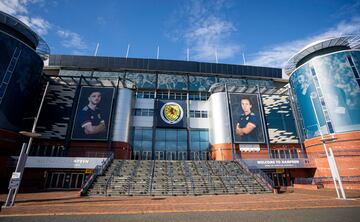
[246, 115]
[171, 113]
[93, 112]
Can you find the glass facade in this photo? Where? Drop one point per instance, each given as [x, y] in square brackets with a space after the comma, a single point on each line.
[142, 143]
[20, 73]
[199, 140]
[171, 140]
[327, 94]
[170, 144]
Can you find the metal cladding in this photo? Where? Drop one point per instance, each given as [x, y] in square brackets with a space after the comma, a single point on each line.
[219, 131]
[122, 119]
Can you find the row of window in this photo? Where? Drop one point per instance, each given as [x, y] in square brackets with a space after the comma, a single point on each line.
[150, 112]
[170, 139]
[202, 96]
[285, 154]
[198, 114]
[143, 112]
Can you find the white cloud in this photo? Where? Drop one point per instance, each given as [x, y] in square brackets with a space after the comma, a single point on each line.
[278, 55]
[13, 7]
[19, 9]
[207, 31]
[39, 25]
[72, 40]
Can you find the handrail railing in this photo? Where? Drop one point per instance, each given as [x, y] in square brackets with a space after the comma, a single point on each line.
[189, 176]
[256, 173]
[326, 180]
[99, 170]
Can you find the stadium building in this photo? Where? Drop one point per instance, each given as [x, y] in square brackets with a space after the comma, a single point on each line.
[152, 111]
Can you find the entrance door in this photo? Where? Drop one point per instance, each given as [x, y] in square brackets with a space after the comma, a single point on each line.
[146, 155]
[76, 180]
[159, 155]
[137, 155]
[56, 180]
[170, 155]
[182, 155]
[279, 179]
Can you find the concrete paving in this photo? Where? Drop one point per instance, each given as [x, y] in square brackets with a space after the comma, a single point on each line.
[69, 205]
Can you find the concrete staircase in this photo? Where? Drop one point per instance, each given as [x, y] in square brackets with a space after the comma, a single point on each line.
[176, 178]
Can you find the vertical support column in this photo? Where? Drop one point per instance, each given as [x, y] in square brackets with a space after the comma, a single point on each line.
[230, 118]
[266, 131]
[73, 113]
[297, 120]
[113, 109]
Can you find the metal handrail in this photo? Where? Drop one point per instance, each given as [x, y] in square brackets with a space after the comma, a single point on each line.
[230, 181]
[133, 174]
[189, 175]
[325, 180]
[99, 170]
[256, 173]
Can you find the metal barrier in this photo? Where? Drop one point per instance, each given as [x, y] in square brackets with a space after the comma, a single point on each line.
[326, 180]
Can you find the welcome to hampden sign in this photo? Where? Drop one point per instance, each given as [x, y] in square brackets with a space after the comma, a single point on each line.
[276, 163]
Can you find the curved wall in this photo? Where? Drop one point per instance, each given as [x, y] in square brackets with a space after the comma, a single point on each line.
[327, 93]
[219, 130]
[20, 72]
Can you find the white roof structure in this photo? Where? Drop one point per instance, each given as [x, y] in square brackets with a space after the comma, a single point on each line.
[351, 41]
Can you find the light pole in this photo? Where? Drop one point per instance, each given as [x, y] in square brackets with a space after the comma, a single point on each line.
[16, 177]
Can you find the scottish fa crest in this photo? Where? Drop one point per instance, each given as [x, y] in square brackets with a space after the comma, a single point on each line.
[171, 113]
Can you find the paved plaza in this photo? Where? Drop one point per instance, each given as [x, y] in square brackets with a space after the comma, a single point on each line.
[316, 205]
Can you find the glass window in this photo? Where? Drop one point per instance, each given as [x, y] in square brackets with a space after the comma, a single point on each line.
[147, 134]
[182, 145]
[204, 145]
[204, 114]
[204, 135]
[171, 135]
[137, 144]
[282, 154]
[182, 135]
[195, 135]
[146, 145]
[195, 146]
[160, 145]
[171, 145]
[160, 134]
[162, 95]
[142, 138]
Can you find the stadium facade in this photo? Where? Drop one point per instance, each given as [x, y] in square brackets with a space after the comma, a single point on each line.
[152, 109]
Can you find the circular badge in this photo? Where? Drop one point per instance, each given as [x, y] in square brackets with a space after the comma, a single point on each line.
[171, 113]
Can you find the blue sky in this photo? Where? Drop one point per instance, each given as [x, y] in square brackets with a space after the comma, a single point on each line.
[267, 32]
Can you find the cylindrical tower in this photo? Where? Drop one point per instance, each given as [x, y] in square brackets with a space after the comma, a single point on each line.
[21, 62]
[324, 79]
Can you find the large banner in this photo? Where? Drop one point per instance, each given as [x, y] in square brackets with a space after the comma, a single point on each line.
[171, 113]
[246, 115]
[93, 112]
